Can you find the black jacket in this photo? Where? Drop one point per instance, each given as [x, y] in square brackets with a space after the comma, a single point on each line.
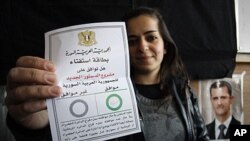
[188, 105]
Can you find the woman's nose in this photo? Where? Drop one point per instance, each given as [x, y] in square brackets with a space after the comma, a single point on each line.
[143, 45]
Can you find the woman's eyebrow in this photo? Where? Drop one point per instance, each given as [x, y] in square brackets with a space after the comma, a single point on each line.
[132, 36]
[150, 31]
[145, 33]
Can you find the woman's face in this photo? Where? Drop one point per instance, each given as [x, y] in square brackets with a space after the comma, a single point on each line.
[146, 46]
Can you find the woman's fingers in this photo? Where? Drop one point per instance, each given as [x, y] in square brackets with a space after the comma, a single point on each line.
[31, 75]
[22, 94]
[29, 84]
[35, 62]
[31, 114]
[24, 109]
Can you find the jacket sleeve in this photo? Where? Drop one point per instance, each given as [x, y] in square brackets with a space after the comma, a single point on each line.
[201, 130]
[23, 134]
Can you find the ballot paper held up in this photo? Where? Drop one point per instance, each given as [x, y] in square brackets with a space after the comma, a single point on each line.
[92, 65]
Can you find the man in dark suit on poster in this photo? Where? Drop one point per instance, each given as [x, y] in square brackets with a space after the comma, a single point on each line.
[221, 99]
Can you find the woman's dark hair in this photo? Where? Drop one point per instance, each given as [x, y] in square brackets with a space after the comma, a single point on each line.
[171, 66]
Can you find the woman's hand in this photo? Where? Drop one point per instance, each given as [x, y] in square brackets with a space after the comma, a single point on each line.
[29, 84]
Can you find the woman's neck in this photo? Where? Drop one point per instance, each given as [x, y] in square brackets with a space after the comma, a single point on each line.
[149, 78]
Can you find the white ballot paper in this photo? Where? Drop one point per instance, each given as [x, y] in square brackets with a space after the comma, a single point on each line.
[98, 100]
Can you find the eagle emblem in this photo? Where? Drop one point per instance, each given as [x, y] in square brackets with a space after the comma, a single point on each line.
[87, 38]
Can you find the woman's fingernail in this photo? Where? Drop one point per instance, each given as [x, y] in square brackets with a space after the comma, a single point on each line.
[49, 66]
[49, 78]
[55, 90]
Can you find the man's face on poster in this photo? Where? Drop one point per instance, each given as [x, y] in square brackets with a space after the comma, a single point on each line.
[221, 101]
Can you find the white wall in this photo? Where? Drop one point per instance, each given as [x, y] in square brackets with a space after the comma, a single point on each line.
[242, 9]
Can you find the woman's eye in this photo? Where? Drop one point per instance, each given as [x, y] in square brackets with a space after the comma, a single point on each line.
[151, 38]
[132, 42]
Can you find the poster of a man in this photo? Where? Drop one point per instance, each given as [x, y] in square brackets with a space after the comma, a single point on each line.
[221, 100]
[221, 105]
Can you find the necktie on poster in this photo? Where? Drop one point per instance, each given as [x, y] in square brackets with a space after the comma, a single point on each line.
[97, 100]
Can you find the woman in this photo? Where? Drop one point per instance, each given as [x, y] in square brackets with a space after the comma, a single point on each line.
[164, 98]
[167, 107]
